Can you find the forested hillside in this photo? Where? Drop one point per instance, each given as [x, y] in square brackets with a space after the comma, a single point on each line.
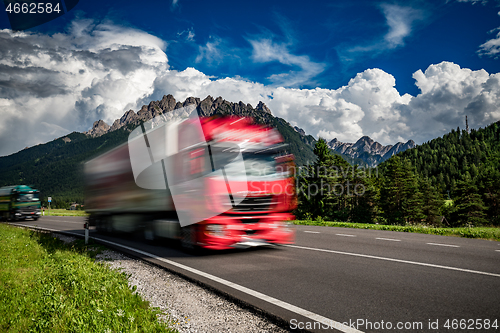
[410, 187]
[457, 155]
[56, 168]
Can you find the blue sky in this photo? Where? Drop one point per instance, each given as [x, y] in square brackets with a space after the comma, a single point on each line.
[282, 53]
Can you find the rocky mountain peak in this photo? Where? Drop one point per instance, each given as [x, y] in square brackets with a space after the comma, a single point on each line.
[206, 107]
[299, 130]
[262, 107]
[99, 128]
[369, 150]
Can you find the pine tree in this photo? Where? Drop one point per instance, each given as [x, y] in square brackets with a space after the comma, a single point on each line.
[470, 208]
[490, 187]
[431, 202]
[392, 191]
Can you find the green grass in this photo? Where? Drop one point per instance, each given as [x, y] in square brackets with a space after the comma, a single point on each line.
[49, 286]
[489, 233]
[65, 212]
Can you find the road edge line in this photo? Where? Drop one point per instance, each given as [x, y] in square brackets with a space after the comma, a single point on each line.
[287, 306]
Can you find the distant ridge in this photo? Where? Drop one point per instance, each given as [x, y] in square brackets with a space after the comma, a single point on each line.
[370, 151]
[365, 150]
[206, 107]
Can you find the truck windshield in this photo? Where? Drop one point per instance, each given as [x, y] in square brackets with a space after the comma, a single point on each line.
[24, 197]
[257, 167]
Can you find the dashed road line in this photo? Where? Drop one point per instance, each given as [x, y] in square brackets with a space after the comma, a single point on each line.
[312, 232]
[345, 235]
[438, 244]
[395, 260]
[389, 239]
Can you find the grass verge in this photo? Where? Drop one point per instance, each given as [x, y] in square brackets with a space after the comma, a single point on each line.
[65, 212]
[49, 286]
[489, 233]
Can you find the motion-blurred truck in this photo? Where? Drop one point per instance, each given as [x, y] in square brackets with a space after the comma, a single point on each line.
[19, 202]
[215, 183]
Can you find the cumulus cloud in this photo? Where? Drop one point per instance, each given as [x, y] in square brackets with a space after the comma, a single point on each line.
[51, 85]
[368, 105]
[68, 80]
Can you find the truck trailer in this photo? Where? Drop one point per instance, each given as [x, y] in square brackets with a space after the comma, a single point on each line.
[183, 180]
[19, 202]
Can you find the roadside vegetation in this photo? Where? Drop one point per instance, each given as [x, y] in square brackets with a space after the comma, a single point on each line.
[449, 182]
[489, 233]
[49, 286]
[64, 212]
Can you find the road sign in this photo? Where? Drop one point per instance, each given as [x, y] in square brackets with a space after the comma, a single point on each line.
[50, 199]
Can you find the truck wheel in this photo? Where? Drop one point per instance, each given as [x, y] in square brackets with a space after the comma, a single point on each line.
[108, 222]
[149, 234]
[188, 240]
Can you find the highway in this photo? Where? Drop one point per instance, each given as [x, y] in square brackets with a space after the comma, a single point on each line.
[371, 280]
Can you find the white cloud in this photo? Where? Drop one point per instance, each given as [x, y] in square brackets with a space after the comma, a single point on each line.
[188, 34]
[368, 105]
[399, 19]
[400, 22]
[211, 51]
[491, 47]
[51, 85]
[266, 50]
[68, 80]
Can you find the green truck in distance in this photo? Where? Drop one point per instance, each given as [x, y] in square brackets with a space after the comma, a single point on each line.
[19, 202]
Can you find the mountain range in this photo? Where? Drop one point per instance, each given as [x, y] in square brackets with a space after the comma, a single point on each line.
[207, 107]
[370, 151]
[55, 167]
[365, 151]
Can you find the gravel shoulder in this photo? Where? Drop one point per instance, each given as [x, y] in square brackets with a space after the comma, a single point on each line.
[189, 307]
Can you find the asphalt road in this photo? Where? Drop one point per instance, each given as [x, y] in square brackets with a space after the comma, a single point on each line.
[401, 280]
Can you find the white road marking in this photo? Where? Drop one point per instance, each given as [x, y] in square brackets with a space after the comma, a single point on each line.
[389, 239]
[345, 235]
[395, 260]
[437, 244]
[312, 232]
[497, 250]
[290, 307]
[46, 220]
[81, 222]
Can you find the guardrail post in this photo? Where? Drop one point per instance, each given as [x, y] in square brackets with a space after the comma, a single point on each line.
[86, 226]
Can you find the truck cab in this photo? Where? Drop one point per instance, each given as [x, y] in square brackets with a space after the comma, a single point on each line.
[19, 202]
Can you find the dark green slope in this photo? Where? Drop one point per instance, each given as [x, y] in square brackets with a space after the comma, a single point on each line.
[55, 168]
[456, 156]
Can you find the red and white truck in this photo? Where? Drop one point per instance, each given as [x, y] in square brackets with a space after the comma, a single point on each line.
[215, 183]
